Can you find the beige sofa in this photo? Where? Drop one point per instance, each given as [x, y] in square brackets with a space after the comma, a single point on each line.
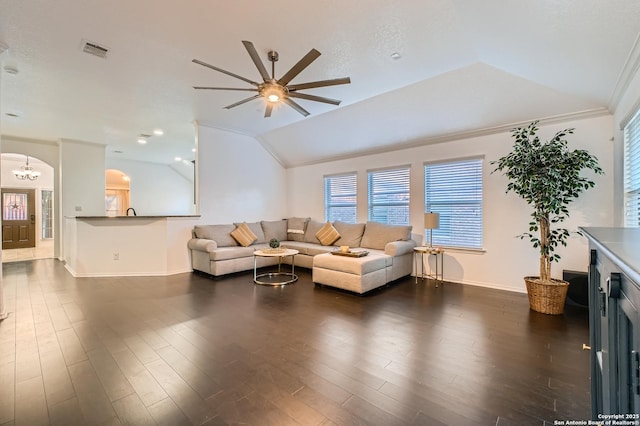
[390, 250]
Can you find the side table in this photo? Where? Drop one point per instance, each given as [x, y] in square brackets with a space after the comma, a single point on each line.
[436, 274]
[273, 278]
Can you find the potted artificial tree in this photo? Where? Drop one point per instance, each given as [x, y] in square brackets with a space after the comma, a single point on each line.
[547, 176]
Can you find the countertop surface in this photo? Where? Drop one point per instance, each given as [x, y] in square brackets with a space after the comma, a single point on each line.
[622, 244]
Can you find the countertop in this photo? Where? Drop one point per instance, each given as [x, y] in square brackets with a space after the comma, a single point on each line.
[621, 244]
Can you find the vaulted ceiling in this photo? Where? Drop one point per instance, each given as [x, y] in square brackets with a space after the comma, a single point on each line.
[463, 66]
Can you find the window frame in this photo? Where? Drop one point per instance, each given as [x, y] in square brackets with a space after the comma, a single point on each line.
[329, 205]
[445, 236]
[631, 173]
[372, 205]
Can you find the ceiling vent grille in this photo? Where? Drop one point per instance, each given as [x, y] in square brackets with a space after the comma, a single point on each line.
[94, 49]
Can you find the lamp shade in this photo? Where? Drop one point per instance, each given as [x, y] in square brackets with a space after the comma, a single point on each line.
[431, 220]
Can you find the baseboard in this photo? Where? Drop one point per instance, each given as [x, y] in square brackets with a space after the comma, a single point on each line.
[522, 290]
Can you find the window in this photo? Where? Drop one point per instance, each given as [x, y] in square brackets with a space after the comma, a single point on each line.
[632, 172]
[47, 214]
[454, 189]
[388, 192]
[340, 198]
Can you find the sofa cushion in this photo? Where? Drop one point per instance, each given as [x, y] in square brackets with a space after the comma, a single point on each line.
[350, 233]
[256, 228]
[296, 227]
[309, 249]
[243, 235]
[353, 265]
[377, 235]
[313, 226]
[327, 235]
[275, 229]
[221, 234]
[227, 253]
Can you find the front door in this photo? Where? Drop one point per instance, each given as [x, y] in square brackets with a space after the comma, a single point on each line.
[18, 218]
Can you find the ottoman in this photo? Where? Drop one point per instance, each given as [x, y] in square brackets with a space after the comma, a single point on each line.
[356, 274]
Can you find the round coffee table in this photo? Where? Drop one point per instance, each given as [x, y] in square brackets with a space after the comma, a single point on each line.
[275, 278]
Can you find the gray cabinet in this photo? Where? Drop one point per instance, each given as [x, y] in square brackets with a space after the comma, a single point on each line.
[614, 322]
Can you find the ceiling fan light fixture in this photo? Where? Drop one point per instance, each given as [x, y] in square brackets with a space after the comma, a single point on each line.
[274, 90]
[273, 93]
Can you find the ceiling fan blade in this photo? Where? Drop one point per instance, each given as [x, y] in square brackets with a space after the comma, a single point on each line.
[256, 60]
[321, 83]
[297, 68]
[314, 98]
[204, 64]
[267, 111]
[243, 101]
[295, 106]
[225, 88]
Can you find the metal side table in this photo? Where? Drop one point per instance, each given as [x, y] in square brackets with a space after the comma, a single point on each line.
[422, 254]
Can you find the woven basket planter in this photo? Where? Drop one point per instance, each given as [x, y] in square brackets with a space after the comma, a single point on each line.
[546, 298]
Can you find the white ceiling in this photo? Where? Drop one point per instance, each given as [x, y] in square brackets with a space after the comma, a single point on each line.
[465, 66]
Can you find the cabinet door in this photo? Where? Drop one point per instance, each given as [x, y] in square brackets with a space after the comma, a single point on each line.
[627, 345]
[597, 321]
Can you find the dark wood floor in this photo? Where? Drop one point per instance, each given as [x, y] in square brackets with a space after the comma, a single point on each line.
[188, 349]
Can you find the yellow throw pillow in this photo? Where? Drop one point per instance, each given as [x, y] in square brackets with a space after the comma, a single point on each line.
[243, 235]
[327, 234]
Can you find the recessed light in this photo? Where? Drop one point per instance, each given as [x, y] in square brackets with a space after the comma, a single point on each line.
[117, 151]
[142, 141]
[193, 150]
[178, 158]
[396, 56]
[158, 132]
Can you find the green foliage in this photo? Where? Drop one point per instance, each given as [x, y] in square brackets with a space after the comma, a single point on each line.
[274, 243]
[547, 176]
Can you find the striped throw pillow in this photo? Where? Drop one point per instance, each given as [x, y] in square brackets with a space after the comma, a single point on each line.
[327, 234]
[243, 235]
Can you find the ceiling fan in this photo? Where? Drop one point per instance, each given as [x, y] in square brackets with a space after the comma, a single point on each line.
[278, 90]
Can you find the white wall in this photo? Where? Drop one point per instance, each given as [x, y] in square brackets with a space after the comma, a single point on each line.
[238, 179]
[127, 246]
[156, 189]
[506, 259]
[628, 105]
[82, 167]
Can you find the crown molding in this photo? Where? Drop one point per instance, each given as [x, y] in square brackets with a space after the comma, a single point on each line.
[628, 72]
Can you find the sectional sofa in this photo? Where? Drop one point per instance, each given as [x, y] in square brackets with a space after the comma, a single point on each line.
[227, 248]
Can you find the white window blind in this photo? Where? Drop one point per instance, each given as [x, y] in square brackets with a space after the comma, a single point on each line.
[388, 194]
[340, 198]
[454, 189]
[632, 172]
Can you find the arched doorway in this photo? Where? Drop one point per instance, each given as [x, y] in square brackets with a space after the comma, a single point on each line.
[117, 193]
[27, 208]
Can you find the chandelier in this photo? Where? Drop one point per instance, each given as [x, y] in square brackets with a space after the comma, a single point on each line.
[26, 172]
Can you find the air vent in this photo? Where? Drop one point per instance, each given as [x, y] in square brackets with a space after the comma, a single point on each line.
[94, 49]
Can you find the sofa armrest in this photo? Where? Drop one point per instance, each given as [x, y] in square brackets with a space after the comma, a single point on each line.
[398, 248]
[202, 244]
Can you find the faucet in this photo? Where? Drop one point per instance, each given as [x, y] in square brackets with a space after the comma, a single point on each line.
[133, 210]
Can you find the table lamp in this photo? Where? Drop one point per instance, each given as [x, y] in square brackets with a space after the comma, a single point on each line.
[431, 222]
